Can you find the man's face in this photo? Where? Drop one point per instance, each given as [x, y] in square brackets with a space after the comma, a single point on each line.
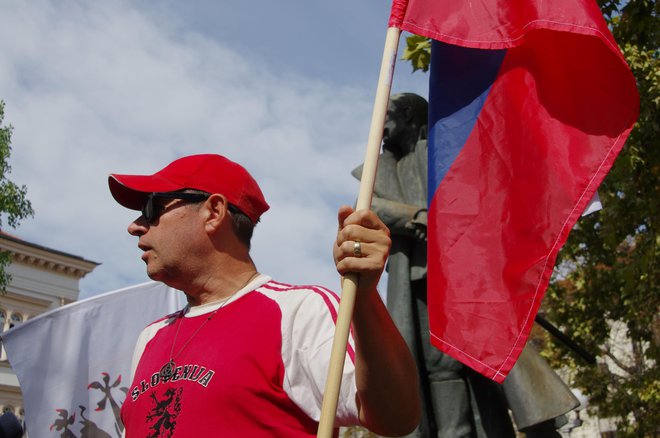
[169, 242]
[397, 131]
[393, 123]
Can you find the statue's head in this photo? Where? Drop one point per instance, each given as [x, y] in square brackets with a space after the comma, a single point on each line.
[405, 122]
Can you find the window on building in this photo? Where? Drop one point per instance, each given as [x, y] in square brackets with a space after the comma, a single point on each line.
[16, 319]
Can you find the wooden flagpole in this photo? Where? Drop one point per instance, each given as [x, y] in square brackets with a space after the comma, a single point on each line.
[349, 286]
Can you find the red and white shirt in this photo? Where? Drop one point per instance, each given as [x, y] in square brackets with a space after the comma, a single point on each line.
[256, 369]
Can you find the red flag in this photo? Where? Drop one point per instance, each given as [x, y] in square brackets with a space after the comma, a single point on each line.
[529, 104]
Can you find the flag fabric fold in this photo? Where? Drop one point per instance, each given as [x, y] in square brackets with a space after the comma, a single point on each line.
[73, 363]
[529, 104]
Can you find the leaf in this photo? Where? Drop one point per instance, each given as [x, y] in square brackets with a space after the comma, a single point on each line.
[418, 52]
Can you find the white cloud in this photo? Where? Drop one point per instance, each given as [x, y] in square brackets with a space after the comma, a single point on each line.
[93, 88]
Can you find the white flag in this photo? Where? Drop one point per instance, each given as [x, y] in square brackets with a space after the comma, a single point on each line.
[73, 362]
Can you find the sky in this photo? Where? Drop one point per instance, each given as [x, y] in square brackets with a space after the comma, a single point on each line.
[285, 88]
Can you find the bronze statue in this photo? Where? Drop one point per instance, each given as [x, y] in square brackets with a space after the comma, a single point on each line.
[457, 401]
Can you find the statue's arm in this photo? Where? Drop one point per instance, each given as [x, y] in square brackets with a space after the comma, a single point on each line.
[401, 219]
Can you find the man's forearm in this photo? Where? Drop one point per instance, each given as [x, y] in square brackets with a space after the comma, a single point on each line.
[386, 375]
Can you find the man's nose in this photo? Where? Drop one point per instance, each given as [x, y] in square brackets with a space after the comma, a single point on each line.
[138, 227]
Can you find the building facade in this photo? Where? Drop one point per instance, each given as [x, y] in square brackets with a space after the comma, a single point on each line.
[42, 279]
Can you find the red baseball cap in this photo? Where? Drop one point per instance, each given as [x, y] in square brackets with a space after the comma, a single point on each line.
[210, 173]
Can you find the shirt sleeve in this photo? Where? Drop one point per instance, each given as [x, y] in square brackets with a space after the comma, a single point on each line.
[307, 335]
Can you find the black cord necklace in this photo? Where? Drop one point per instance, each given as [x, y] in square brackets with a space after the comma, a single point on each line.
[167, 370]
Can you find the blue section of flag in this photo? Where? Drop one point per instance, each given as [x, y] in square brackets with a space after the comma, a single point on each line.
[460, 81]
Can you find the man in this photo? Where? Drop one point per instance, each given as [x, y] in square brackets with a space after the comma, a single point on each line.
[248, 356]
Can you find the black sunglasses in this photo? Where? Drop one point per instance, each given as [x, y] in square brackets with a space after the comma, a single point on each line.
[152, 210]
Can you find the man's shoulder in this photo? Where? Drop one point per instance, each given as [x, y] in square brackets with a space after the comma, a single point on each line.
[166, 318]
[308, 312]
[277, 289]
[296, 296]
[161, 322]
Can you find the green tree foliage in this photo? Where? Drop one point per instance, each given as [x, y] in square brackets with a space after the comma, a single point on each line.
[606, 291]
[14, 205]
[610, 299]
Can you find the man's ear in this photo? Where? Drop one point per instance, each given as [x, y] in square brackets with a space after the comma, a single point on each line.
[216, 212]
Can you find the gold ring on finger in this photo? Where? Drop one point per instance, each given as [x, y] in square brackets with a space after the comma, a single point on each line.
[357, 249]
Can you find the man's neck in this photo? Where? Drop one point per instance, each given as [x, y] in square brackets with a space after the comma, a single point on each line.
[219, 287]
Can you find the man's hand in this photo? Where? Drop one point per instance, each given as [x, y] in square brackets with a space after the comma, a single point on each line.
[362, 246]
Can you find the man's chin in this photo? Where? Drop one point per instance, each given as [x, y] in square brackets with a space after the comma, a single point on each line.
[154, 274]
[160, 277]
